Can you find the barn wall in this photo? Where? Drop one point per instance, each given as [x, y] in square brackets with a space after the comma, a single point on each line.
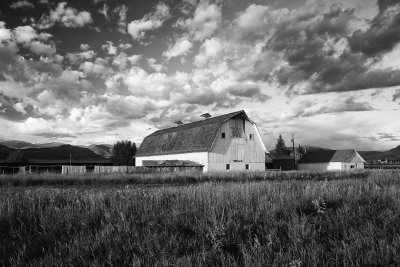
[325, 166]
[237, 151]
[236, 166]
[313, 166]
[356, 166]
[199, 157]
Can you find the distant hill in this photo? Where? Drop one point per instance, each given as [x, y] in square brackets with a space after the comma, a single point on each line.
[102, 150]
[314, 148]
[16, 144]
[55, 154]
[61, 153]
[23, 145]
[392, 154]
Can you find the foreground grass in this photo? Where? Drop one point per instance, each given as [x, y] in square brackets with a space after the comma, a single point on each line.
[172, 178]
[338, 222]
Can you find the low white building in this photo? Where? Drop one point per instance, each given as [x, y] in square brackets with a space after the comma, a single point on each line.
[229, 142]
[329, 160]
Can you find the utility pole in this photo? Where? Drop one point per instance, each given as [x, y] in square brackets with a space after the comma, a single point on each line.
[294, 153]
[70, 159]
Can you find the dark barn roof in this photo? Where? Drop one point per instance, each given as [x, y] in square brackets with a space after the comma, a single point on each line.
[171, 163]
[322, 156]
[196, 136]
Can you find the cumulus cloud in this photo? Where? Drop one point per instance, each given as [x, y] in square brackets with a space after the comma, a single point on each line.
[123, 61]
[153, 64]
[5, 34]
[70, 85]
[66, 16]
[206, 20]
[92, 68]
[76, 58]
[180, 48]
[123, 46]
[209, 50]
[41, 48]
[110, 48]
[258, 20]
[24, 34]
[84, 47]
[32, 40]
[138, 28]
[22, 4]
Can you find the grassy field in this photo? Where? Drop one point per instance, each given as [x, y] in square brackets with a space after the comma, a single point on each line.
[272, 219]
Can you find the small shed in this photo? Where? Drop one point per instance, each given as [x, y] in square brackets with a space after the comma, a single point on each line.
[173, 165]
[345, 159]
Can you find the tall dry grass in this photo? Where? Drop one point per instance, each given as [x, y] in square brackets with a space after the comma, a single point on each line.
[181, 178]
[337, 222]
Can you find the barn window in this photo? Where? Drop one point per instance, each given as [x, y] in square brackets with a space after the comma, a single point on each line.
[223, 135]
[352, 166]
[228, 166]
[247, 167]
[251, 136]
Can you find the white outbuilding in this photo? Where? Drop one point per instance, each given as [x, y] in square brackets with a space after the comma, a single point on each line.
[327, 160]
[229, 142]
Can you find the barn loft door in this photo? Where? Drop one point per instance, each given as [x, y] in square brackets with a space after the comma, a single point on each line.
[237, 149]
[237, 127]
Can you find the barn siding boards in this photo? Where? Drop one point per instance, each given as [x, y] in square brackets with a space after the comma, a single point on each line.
[236, 166]
[328, 166]
[237, 150]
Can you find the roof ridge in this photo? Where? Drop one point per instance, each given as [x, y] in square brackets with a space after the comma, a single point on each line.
[183, 126]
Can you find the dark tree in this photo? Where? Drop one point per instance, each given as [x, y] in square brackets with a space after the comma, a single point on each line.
[301, 151]
[123, 153]
[17, 156]
[280, 146]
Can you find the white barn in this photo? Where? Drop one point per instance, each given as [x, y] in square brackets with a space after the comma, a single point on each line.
[327, 160]
[229, 142]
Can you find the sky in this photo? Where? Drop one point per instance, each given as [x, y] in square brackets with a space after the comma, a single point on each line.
[101, 71]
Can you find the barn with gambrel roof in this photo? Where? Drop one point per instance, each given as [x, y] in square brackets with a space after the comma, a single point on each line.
[223, 143]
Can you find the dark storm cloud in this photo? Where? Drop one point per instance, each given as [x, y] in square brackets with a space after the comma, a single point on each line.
[310, 44]
[383, 33]
[385, 4]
